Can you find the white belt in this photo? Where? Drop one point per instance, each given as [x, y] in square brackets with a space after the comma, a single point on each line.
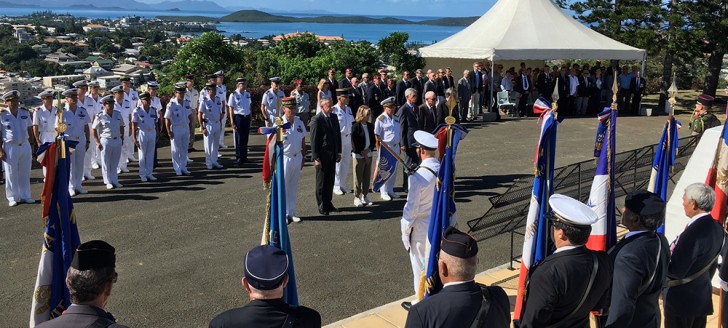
[148, 130]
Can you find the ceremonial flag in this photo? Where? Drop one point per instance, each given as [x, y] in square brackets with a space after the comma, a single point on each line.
[277, 233]
[601, 196]
[442, 214]
[536, 237]
[386, 166]
[663, 162]
[718, 178]
[541, 105]
[60, 235]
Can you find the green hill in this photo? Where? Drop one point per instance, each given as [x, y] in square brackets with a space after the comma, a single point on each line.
[450, 21]
[255, 16]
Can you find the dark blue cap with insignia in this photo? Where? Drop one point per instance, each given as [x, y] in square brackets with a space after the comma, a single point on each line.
[643, 202]
[458, 243]
[95, 254]
[145, 95]
[266, 267]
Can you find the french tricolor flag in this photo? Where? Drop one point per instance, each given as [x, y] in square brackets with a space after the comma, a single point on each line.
[717, 178]
[601, 197]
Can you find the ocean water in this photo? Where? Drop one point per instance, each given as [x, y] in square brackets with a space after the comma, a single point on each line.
[426, 34]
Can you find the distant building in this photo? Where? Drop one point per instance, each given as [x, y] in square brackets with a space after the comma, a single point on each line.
[52, 81]
[94, 72]
[42, 49]
[22, 35]
[126, 69]
[21, 85]
[109, 81]
[95, 28]
[65, 59]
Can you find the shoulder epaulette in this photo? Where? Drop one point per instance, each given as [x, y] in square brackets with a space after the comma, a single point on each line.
[380, 118]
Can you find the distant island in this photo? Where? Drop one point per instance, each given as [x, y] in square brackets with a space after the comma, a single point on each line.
[257, 16]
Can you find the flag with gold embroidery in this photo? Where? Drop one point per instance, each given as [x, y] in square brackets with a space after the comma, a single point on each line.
[60, 234]
[718, 179]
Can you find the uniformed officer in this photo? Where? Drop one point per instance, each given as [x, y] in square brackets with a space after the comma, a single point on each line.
[90, 279]
[221, 90]
[85, 102]
[386, 129]
[124, 107]
[156, 104]
[44, 119]
[130, 95]
[193, 98]
[702, 119]
[93, 107]
[239, 111]
[144, 127]
[208, 115]
[346, 121]
[108, 132]
[416, 213]
[15, 153]
[294, 151]
[269, 104]
[76, 119]
[178, 120]
[567, 285]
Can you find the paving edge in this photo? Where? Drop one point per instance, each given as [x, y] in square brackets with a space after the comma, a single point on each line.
[397, 302]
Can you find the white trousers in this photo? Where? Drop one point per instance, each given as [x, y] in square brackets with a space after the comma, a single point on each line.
[292, 171]
[92, 157]
[388, 187]
[179, 148]
[341, 180]
[418, 248]
[212, 142]
[222, 129]
[127, 149]
[49, 136]
[110, 155]
[77, 158]
[17, 171]
[147, 140]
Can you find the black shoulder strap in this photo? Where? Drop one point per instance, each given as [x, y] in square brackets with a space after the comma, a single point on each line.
[479, 320]
[647, 285]
[101, 322]
[595, 268]
[678, 282]
[290, 320]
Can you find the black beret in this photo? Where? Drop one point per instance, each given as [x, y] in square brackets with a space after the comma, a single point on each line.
[266, 267]
[145, 95]
[343, 92]
[643, 202]
[95, 254]
[458, 243]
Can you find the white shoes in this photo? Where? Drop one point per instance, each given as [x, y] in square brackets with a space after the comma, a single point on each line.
[122, 170]
[365, 200]
[72, 192]
[209, 166]
[394, 195]
[12, 203]
[82, 191]
[386, 197]
[109, 186]
[357, 202]
[95, 166]
[346, 191]
[338, 191]
[151, 178]
[133, 159]
[89, 177]
[222, 146]
[295, 219]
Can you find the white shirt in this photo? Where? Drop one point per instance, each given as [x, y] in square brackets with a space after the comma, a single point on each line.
[211, 109]
[14, 128]
[154, 103]
[75, 122]
[421, 192]
[524, 82]
[108, 126]
[132, 96]
[125, 110]
[178, 115]
[93, 106]
[566, 248]
[387, 128]
[270, 100]
[240, 102]
[573, 83]
[145, 120]
[193, 97]
[45, 119]
[346, 121]
[454, 283]
[293, 137]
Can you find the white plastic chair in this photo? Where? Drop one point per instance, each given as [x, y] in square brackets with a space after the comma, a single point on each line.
[504, 103]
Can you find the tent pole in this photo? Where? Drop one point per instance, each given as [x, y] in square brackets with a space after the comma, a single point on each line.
[492, 75]
[642, 74]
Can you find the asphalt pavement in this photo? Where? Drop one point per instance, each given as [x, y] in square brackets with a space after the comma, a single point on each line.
[180, 241]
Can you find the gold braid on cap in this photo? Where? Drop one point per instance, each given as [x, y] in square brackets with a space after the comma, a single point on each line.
[561, 219]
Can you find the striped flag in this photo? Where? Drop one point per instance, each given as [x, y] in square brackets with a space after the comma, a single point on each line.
[718, 178]
[663, 162]
[601, 197]
[536, 236]
[60, 235]
[541, 105]
[385, 169]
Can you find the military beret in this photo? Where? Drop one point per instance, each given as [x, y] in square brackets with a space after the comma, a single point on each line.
[331, 70]
[570, 211]
[377, 77]
[79, 84]
[211, 76]
[125, 79]
[153, 84]
[189, 77]
[93, 83]
[210, 86]
[11, 94]
[108, 99]
[343, 92]
[95, 254]
[425, 140]
[389, 102]
[458, 244]
[72, 92]
[145, 95]
[241, 80]
[643, 202]
[117, 88]
[265, 267]
[289, 101]
[275, 79]
[46, 93]
[706, 100]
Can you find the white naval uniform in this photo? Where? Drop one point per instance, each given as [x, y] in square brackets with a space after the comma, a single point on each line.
[108, 128]
[211, 112]
[222, 93]
[179, 123]
[18, 157]
[271, 105]
[93, 107]
[127, 148]
[146, 130]
[346, 121]
[292, 160]
[45, 120]
[387, 129]
[193, 99]
[75, 124]
[416, 215]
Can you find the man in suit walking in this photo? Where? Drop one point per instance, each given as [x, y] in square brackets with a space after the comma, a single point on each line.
[462, 301]
[637, 89]
[408, 118]
[419, 84]
[687, 299]
[325, 153]
[559, 292]
[403, 85]
[640, 263]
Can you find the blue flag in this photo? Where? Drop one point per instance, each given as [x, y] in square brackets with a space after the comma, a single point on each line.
[60, 234]
[278, 233]
[663, 162]
[386, 166]
[601, 197]
[443, 208]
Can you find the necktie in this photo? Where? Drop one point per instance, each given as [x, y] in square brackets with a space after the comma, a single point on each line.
[525, 82]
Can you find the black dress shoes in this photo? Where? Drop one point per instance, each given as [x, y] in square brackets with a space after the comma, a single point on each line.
[406, 305]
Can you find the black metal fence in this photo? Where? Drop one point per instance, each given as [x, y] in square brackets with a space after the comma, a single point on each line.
[632, 171]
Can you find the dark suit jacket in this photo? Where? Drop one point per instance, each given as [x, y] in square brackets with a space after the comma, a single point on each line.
[441, 112]
[374, 98]
[563, 81]
[473, 85]
[401, 88]
[633, 301]
[81, 316]
[325, 140]
[557, 284]
[426, 118]
[519, 87]
[582, 89]
[450, 81]
[429, 86]
[545, 85]
[457, 306]
[266, 314]
[407, 125]
[637, 88]
[333, 85]
[697, 246]
[358, 138]
[419, 85]
[344, 83]
[356, 100]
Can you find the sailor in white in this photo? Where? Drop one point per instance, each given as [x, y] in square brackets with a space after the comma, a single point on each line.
[416, 213]
[346, 122]
[124, 107]
[15, 153]
[144, 127]
[178, 120]
[44, 120]
[76, 119]
[108, 132]
[294, 151]
[221, 90]
[93, 106]
[269, 104]
[208, 115]
[387, 130]
[240, 113]
[131, 97]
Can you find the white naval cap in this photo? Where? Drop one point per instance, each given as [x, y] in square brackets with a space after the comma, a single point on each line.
[108, 99]
[219, 73]
[180, 84]
[93, 83]
[389, 102]
[79, 84]
[46, 93]
[11, 94]
[70, 92]
[153, 84]
[571, 211]
[117, 88]
[425, 140]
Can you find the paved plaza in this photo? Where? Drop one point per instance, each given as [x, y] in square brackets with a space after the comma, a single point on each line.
[180, 241]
